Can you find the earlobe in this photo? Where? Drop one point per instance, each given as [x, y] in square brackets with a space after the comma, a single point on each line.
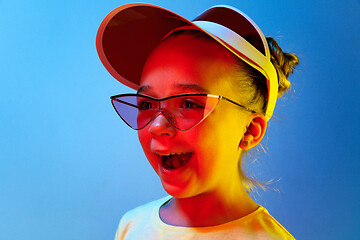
[254, 132]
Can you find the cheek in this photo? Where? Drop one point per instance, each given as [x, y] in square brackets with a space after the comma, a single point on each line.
[143, 138]
[221, 137]
[145, 141]
[206, 146]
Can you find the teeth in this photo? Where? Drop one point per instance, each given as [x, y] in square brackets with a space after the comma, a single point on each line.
[169, 154]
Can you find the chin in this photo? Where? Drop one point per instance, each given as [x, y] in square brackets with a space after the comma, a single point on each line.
[176, 190]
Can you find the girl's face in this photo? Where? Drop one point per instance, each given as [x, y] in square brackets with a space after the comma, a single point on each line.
[205, 158]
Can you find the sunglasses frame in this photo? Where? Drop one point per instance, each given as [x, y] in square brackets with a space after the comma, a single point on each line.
[114, 98]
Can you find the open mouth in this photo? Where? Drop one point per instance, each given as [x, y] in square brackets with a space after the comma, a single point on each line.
[176, 160]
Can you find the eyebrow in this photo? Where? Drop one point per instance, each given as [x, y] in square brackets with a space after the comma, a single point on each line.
[143, 89]
[192, 87]
[184, 87]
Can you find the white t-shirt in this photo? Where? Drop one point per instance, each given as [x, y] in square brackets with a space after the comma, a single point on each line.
[144, 223]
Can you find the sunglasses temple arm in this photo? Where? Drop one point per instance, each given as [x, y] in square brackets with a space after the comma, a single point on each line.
[238, 104]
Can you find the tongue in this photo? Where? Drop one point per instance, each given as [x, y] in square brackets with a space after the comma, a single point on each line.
[176, 161]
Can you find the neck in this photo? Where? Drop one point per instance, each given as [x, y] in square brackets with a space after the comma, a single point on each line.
[208, 209]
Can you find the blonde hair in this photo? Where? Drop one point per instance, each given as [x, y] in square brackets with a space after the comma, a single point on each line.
[253, 86]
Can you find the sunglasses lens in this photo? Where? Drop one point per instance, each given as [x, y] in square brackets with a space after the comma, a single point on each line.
[190, 110]
[128, 109]
[183, 112]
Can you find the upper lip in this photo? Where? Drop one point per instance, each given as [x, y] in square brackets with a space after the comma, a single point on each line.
[169, 153]
[162, 153]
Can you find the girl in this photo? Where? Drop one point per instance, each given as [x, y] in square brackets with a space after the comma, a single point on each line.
[205, 91]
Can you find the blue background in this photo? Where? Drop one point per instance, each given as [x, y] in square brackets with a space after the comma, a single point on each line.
[69, 167]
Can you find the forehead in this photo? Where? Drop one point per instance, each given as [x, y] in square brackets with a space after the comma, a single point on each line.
[187, 64]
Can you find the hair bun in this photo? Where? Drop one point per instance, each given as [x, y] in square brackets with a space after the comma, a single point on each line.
[284, 64]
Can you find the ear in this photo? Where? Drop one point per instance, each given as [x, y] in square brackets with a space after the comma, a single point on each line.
[255, 131]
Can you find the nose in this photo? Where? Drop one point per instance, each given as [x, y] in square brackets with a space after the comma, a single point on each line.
[161, 126]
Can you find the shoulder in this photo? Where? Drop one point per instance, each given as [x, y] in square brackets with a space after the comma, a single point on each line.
[146, 208]
[144, 211]
[263, 223]
[140, 219]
